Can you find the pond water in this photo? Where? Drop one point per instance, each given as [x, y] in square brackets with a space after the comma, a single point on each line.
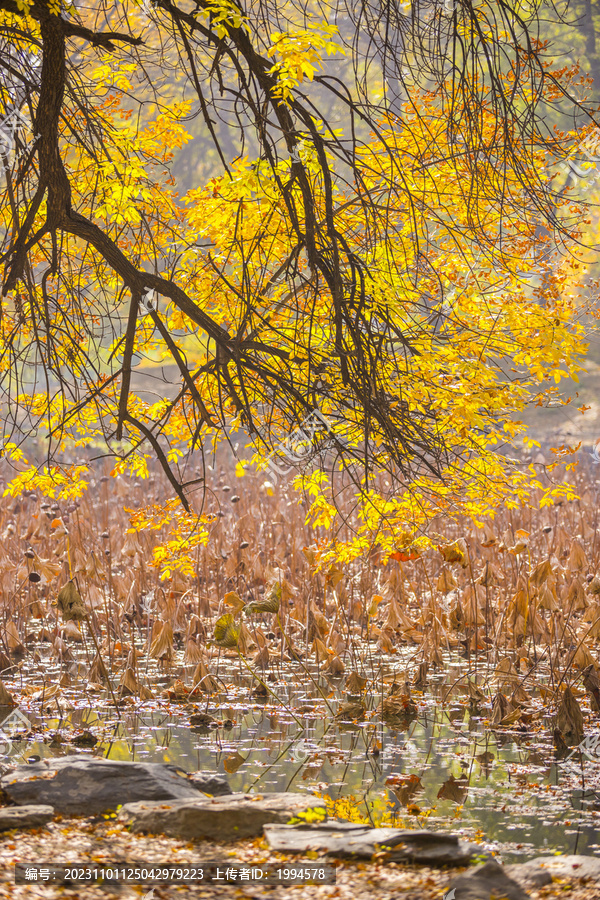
[498, 786]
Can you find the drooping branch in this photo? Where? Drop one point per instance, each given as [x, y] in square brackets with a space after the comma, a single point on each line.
[161, 457]
[41, 13]
[127, 357]
[341, 212]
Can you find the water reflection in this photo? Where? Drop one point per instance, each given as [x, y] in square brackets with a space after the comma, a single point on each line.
[446, 770]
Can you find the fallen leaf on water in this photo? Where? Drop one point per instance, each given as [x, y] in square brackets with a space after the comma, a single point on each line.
[355, 683]
[485, 760]
[406, 787]
[232, 763]
[454, 789]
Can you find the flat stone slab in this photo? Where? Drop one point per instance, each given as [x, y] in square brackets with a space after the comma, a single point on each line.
[346, 839]
[487, 882]
[215, 785]
[228, 818]
[24, 816]
[542, 869]
[80, 785]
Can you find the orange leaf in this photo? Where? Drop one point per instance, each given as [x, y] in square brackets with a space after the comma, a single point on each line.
[405, 555]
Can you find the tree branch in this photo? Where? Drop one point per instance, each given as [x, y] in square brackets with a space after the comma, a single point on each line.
[160, 455]
[72, 29]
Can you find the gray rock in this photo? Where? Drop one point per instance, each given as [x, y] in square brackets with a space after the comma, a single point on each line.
[541, 870]
[487, 882]
[80, 785]
[24, 816]
[216, 785]
[227, 818]
[346, 839]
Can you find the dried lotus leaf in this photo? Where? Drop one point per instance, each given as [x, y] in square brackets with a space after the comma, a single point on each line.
[70, 604]
[267, 604]
[227, 632]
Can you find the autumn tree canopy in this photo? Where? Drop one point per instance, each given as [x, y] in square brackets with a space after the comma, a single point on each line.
[376, 231]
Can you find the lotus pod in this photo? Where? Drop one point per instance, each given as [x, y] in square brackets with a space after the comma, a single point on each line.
[269, 603]
[70, 604]
[227, 633]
